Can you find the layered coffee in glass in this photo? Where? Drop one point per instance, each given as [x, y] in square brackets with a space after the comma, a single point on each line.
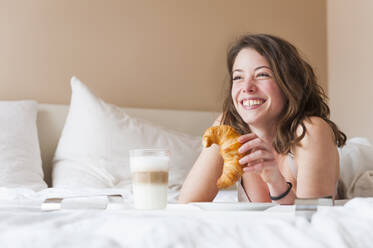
[149, 169]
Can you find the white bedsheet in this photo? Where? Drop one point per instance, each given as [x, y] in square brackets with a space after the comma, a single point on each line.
[23, 224]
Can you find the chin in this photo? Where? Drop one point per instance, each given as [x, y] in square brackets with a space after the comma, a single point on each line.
[253, 117]
[250, 120]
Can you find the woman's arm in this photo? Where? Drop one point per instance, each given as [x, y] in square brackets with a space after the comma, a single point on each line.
[256, 189]
[262, 176]
[317, 160]
[200, 184]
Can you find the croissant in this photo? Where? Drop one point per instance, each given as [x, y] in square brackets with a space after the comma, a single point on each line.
[226, 137]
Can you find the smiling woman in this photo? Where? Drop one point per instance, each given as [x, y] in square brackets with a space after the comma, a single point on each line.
[255, 93]
[289, 144]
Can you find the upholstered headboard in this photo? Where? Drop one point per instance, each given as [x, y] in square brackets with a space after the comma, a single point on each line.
[51, 119]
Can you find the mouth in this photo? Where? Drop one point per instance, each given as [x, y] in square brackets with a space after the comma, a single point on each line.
[252, 103]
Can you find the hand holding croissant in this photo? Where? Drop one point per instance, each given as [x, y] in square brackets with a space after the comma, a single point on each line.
[226, 137]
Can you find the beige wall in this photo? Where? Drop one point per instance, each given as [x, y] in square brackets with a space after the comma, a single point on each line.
[350, 53]
[157, 54]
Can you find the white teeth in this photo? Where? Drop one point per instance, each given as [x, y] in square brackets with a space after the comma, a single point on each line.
[250, 103]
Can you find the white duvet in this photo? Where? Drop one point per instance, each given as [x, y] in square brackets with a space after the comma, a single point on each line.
[23, 224]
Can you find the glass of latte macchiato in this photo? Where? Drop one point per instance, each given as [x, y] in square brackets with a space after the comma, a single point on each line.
[149, 169]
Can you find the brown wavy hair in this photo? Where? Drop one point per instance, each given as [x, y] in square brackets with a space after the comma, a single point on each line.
[298, 83]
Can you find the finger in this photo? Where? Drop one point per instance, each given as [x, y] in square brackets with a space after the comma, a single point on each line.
[246, 137]
[251, 144]
[260, 154]
[258, 165]
[254, 169]
[257, 168]
[256, 155]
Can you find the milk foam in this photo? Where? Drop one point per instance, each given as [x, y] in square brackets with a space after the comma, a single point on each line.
[149, 163]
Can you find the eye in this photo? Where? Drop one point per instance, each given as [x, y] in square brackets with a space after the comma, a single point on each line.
[263, 75]
[235, 78]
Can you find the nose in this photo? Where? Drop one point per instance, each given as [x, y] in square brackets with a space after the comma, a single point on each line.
[249, 87]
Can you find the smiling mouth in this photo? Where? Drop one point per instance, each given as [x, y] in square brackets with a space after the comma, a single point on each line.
[253, 103]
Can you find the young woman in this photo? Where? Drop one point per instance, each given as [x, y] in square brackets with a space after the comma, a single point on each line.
[289, 144]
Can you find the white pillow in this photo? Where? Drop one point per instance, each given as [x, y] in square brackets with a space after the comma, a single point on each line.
[356, 172]
[93, 148]
[20, 160]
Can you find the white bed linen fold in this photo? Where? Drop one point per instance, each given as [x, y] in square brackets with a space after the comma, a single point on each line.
[24, 225]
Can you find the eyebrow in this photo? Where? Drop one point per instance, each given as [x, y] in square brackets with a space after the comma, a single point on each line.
[259, 67]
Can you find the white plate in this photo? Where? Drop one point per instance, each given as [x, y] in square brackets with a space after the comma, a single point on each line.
[233, 206]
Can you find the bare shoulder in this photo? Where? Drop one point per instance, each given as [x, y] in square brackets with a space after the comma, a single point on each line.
[318, 132]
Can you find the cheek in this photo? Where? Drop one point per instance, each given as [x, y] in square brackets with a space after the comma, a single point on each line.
[280, 100]
[277, 98]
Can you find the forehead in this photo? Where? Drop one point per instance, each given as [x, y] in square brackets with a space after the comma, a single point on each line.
[248, 59]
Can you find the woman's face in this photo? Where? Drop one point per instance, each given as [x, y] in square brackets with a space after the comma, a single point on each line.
[255, 93]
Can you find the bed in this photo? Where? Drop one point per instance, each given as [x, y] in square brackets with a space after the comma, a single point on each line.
[104, 216]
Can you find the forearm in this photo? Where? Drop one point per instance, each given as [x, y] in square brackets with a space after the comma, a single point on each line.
[197, 191]
[200, 184]
[277, 187]
[255, 188]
